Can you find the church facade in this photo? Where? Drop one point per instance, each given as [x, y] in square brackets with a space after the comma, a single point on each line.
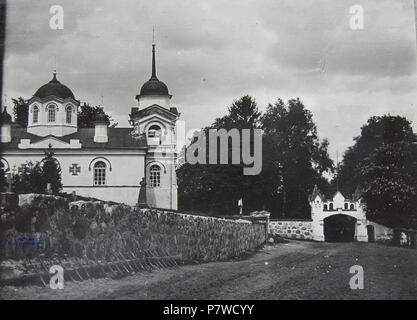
[102, 162]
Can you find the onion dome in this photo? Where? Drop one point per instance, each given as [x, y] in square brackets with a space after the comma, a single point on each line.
[54, 88]
[154, 86]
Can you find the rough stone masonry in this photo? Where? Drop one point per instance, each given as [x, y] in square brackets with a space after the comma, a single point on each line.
[96, 230]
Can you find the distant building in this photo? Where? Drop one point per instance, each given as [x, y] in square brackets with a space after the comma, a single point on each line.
[337, 218]
[100, 162]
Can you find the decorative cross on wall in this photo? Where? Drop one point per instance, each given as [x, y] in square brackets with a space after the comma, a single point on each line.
[75, 169]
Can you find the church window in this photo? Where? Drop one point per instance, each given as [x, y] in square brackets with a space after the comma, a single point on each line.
[68, 114]
[331, 206]
[51, 114]
[155, 176]
[352, 207]
[99, 173]
[154, 132]
[325, 207]
[35, 114]
[346, 206]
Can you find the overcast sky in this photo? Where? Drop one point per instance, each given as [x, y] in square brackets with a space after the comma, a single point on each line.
[210, 53]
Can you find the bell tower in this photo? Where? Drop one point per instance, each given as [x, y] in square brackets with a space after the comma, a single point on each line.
[154, 120]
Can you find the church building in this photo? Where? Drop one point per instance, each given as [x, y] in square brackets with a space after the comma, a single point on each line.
[103, 162]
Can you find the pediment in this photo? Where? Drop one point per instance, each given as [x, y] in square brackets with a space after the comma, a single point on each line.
[154, 118]
[155, 109]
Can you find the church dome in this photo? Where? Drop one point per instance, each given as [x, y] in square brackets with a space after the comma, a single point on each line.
[154, 87]
[54, 88]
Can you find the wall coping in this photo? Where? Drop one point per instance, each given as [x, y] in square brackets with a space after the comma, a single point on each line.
[291, 220]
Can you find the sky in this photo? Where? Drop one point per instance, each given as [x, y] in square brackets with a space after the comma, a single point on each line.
[210, 53]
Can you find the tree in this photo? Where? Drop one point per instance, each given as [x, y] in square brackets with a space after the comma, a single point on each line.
[294, 156]
[378, 131]
[390, 184]
[34, 178]
[382, 163]
[217, 188]
[51, 172]
[3, 181]
[28, 179]
[293, 160]
[87, 115]
[20, 111]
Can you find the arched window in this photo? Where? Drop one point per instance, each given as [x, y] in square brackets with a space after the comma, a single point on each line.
[352, 207]
[155, 176]
[346, 206]
[154, 131]
[35, 114]
[51, 114]
[99, 173]
[68, 114]
[331, 206]
[325, 207]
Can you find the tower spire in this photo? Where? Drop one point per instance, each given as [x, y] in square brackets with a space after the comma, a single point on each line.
[153, 63]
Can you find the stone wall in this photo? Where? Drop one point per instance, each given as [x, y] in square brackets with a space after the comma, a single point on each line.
[98, 230]
[381, 233]
[294, 229]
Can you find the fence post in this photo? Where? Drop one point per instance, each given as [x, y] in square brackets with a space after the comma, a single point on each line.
[263, 217]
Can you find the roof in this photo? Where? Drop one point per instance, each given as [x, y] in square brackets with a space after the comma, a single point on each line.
[172, 113]
[154, 87]
[119, 138]
[54, 88]
[316, 192]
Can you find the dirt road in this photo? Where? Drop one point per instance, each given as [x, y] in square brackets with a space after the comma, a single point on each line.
[294, 270]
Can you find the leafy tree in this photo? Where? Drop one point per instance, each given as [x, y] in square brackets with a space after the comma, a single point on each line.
[293, 160]
[243, 114]
[2, 179]
[34, 178]
[295, 157]
[383, 164]
[87, 115]
[28, 179]
[51, 171]
[378, 131]
[390, 184]
[217, 188]
[20, 111]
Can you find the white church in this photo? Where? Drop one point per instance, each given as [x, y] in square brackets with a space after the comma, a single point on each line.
[100, 162]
